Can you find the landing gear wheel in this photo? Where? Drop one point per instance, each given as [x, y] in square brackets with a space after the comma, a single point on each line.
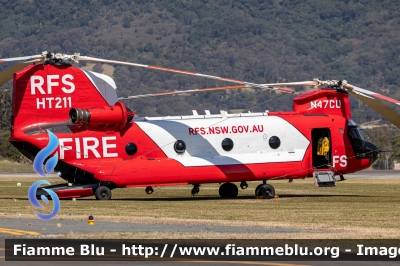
[243, 185]
[149, 190]
[266, 191]
[257, 189]
[228, 190]
[195, 190]
[103, 193]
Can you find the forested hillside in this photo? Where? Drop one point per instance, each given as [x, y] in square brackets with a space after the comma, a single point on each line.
[259, 41]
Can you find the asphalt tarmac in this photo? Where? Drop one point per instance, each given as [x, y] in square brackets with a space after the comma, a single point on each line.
[30, 227]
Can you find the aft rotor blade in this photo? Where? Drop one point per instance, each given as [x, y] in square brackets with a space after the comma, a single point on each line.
[191, 91]
[7, 74]
[180, 92]
[248, 84]
[376, 105]
[23, 58]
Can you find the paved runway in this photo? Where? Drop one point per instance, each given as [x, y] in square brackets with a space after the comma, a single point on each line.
[30, 227]
[375, 174]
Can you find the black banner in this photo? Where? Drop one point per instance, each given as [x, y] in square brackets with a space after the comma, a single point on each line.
[201, 249]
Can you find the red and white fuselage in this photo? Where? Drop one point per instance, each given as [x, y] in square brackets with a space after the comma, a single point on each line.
[101, 142]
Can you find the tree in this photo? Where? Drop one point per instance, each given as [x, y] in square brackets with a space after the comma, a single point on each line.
[5, 107]
[126, 22]
[395, 141]
[381, 140]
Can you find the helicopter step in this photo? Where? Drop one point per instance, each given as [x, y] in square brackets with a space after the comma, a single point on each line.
[324, 179]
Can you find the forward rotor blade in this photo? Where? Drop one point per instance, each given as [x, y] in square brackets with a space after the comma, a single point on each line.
[379, 107]
[371, 93]
[301, 83]
[23, 58]
[7, 74]
[248, 84]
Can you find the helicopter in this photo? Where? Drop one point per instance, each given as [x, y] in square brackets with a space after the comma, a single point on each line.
[103, 146]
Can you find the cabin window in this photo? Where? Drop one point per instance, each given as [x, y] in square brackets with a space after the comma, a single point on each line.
[227, 144]
[180, 146]
[131, 148]
[274, 142]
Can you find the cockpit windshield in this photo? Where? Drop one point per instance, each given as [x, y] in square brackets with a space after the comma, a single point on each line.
[356, 138]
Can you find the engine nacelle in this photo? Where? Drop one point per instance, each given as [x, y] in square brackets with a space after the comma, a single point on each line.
[106, 117]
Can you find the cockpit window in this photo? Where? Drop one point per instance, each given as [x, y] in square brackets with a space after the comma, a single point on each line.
[356, 138]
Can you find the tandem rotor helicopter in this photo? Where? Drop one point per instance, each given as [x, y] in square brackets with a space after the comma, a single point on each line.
[102, 145]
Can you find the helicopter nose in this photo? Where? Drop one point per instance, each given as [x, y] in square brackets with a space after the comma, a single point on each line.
[371, 151]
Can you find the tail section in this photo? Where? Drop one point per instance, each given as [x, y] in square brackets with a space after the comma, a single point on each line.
[44, 95]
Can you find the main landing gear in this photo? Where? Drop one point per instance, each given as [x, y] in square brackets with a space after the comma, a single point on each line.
[102, 193]
[228, 190]
[265, 190]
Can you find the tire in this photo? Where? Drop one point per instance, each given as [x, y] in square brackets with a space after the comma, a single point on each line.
[257, 191]
[222, 190]
[228, 190]
[232, 190]
[103, 193]
[266, 191]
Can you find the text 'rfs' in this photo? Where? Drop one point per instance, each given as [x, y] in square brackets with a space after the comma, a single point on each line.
[53, 82]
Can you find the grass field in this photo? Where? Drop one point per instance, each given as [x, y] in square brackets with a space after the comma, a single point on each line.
[13, 167]
[355, 208]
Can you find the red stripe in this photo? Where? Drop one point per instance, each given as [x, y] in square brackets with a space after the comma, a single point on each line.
[172, 70]
[286, 90]
[380, 96]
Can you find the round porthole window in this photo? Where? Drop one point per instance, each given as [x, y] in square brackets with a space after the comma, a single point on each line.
[227, 144]
[131, 148]
[274, 142]
[180, 146]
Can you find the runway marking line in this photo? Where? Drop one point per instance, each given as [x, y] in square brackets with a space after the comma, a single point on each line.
[17, 232]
